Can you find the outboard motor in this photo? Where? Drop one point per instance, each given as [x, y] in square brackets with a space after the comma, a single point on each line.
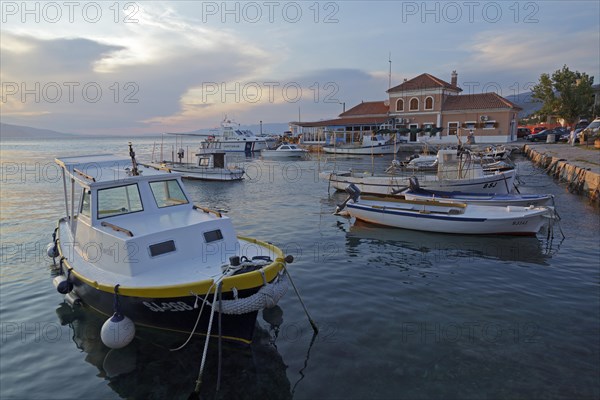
[413, 183]
[353, 194]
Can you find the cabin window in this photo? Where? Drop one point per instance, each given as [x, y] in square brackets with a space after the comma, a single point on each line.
[213, 236]
[119, 200]
[162, 248]
[85, 204]
[168, 193]
[204, 162]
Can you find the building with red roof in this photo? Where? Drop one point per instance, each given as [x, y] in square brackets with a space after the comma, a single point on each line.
[424, 102]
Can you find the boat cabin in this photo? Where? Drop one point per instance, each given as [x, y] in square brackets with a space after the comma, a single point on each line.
[128, 220]
[211, 159]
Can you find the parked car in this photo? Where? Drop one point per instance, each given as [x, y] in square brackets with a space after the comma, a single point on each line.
[522, 132]
[592, 130]
[543, 135]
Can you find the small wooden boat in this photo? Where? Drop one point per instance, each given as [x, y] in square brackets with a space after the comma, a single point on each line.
[210, 165]
[285, 150]
[133, 245]
[445, 216]
[415, 192]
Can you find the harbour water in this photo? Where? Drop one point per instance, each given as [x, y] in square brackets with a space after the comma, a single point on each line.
[401, 314]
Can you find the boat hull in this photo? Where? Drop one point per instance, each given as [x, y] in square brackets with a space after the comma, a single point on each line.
[516, 221]
[172, 313]
[237, 146]
[363, 150]
[480, 199]
[502, 182]
[170, 306]
[291, 154]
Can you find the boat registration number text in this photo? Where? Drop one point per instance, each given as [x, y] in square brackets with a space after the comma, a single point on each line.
[172, 306]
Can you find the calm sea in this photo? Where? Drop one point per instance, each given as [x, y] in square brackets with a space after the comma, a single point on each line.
[401, 314]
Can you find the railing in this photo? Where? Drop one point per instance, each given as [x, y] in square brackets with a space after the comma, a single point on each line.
[117, 228]
[208, 210]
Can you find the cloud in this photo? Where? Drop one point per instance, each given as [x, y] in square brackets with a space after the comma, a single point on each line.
[539, 51]
[142, 76]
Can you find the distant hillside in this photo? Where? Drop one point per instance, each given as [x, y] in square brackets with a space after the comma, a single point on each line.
[524, 101]
[26, 132]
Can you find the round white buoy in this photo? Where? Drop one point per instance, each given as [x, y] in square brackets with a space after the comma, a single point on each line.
[51, 250]
[117, 332]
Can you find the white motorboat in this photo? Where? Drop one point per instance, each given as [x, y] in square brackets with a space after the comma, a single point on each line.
[453, 174]
[374, 144]
[209, 166]
[134, 246]
[446, 217]
[231, 138]
[285, 150]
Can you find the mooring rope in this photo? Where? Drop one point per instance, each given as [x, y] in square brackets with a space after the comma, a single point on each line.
[199, 315]
[205, 351]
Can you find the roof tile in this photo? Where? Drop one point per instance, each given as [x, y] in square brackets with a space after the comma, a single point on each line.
[477, 102]
[423, 81]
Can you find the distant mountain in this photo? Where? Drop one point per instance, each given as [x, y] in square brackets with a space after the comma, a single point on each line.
[525, 101]
[27, 132]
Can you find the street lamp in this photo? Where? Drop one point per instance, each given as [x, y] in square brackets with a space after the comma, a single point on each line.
[261, 128]
[343, 106]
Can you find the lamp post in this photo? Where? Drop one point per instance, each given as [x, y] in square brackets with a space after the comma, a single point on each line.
[261, 128]
[343, 106]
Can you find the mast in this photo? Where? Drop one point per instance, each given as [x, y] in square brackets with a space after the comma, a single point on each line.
[390, 72]
[134, 169]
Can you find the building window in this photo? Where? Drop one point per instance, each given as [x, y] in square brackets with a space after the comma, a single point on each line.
[414, 104]
[429, 103]
[490, 125]
[452, 128]
[470, 125]
[400, 105]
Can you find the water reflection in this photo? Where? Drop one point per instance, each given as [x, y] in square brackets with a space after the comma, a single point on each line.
[147, 369]
[435, 247]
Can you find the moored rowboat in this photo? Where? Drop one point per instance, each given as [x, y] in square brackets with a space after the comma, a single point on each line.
[446, 217]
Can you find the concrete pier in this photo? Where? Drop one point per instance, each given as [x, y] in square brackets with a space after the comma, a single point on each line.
[577, 166]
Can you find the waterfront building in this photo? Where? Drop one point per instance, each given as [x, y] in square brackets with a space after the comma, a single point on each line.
[418, 105]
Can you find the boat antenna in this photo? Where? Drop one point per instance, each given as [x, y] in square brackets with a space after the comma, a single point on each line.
[134, 170]
[390, 73]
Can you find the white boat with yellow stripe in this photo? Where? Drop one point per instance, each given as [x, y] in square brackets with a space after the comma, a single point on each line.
[133, 246]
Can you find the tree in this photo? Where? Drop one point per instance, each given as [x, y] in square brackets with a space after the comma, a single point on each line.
[567, 94]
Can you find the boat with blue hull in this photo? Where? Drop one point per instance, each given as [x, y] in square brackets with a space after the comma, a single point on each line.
[134, 246]
[415, 192]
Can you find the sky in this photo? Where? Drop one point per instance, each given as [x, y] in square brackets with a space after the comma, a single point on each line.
[129, 68]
